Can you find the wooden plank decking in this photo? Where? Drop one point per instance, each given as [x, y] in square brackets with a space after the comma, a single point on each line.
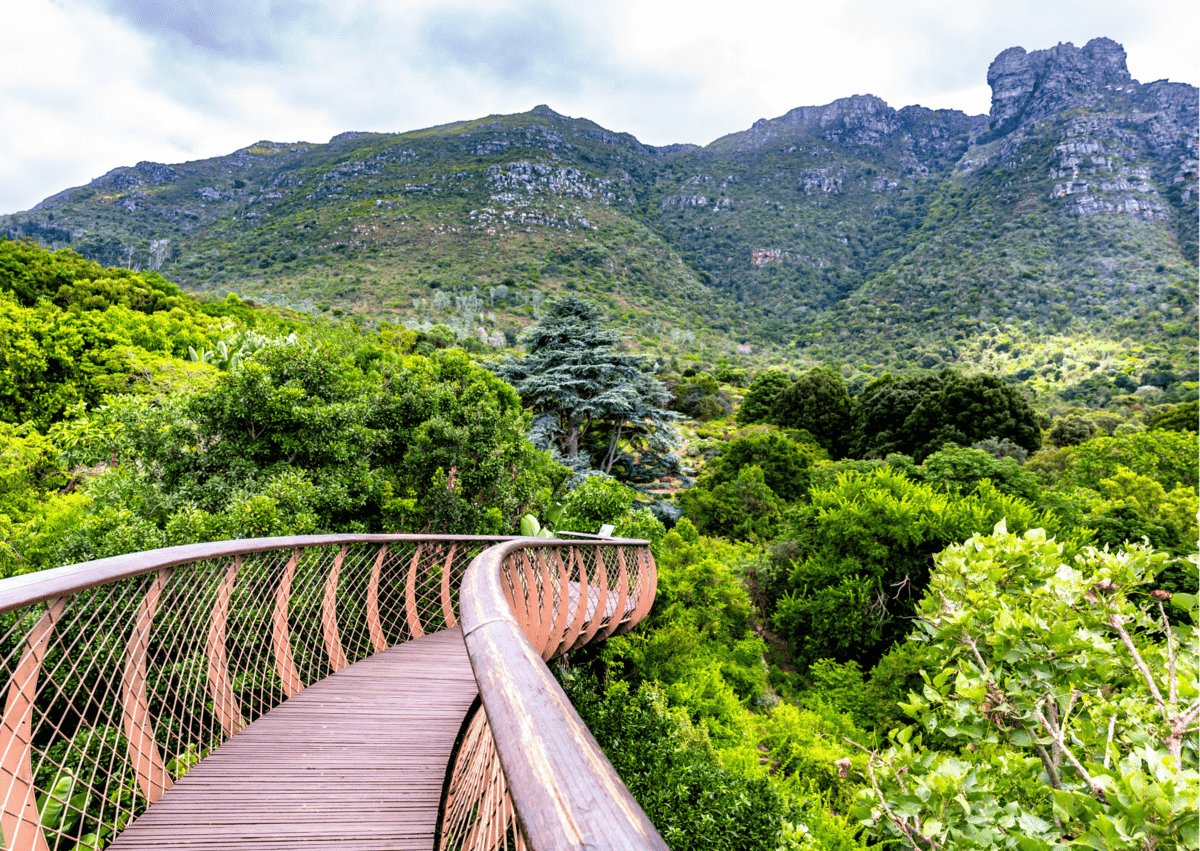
[355, 761]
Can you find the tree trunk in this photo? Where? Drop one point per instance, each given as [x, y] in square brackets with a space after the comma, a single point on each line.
[613, 440]
[572, 440]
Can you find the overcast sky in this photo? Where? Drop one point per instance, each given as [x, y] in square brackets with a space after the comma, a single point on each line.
[88, 85]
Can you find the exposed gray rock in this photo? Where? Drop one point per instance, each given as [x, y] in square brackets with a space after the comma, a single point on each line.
[1039, 85]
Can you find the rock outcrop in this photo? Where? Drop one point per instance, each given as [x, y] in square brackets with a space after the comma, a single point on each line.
[1042, 84]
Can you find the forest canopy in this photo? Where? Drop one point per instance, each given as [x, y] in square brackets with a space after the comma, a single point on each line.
[903, 609]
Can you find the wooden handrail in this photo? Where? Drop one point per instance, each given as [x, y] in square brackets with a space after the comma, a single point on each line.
[30, 588]
[565, 792]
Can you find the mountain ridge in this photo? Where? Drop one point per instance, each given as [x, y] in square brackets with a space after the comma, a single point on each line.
[1077, 194]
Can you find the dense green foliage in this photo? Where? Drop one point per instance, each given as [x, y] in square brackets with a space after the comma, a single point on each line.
[867, 546]
[1067, 709]
[296, 441]
[144, 444]
[916, 416]
[742, 491]
[693, 801]
[760, 397]
[819, 404]
[133, 416]
[785, 463]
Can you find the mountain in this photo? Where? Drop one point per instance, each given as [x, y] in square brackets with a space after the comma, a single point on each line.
[851, 231]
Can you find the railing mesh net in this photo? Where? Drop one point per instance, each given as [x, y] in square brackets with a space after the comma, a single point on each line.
[115, 691]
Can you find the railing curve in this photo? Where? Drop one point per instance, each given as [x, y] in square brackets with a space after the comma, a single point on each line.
[529, 774]
[123, 672]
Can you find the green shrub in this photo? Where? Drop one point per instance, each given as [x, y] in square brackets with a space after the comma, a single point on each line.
[597, 500]
[674, 774]
[744, 509]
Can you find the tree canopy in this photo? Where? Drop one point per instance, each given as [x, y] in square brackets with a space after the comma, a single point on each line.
[916, 416]
[819, 404]
[599, 407]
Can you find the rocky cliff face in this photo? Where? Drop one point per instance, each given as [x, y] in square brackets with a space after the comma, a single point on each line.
[1115, 145]
[1039, 85]
[922, 137]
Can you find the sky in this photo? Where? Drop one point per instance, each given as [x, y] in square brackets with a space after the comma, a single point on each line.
[89, 85]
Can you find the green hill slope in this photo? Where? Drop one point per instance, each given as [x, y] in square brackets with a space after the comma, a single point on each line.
[854, 231]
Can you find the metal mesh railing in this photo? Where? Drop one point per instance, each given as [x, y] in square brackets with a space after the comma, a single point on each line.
[478, 812]
[122, 674]
[510, 784]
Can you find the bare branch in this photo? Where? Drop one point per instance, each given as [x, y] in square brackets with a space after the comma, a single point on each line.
[1190, 714]
[983, 668]
[912, 832]
[1048, 764]
[1119, 626]
[1172, 679]
[1112, 728]
[1070, 706]
[1096, 788]
[1052, 717]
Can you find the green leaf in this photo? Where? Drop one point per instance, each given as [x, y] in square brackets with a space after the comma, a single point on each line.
[53, 806]
[1189, 831]
[1186, 602]
[530, 526]
[1032, 824]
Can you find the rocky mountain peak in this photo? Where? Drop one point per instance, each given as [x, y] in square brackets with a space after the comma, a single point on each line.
[1037, 85]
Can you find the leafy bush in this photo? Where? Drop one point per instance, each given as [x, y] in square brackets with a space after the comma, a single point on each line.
[1171, 458]
[673, 773]
[957, 469]
[595, 501]
[1072, 705]
[806, 746]
[785, 464]
[819, 404]
[744, 509]
[866, 548]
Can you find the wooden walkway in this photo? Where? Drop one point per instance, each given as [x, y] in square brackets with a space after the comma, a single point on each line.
[355, 761]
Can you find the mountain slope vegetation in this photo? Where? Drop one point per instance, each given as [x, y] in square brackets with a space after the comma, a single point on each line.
[887, 239]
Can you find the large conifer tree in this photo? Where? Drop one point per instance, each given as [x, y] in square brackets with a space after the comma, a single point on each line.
[601, 402]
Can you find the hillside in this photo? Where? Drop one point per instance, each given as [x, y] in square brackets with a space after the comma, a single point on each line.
[854, 232]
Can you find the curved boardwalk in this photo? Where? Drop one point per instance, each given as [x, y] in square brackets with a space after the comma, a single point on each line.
[355, 761]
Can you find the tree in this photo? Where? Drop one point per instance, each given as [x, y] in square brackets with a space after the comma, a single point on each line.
[1182, 417]
[960, 469]
[742, 509]
[786, 464]
[296, 440]
[881, 411]
[965, 409]
[1069, 708]
[1167, 457]
[764, 390]
[819, 404]
[1071, 431]
[917, 416]
[865, 552]
[600, 403]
